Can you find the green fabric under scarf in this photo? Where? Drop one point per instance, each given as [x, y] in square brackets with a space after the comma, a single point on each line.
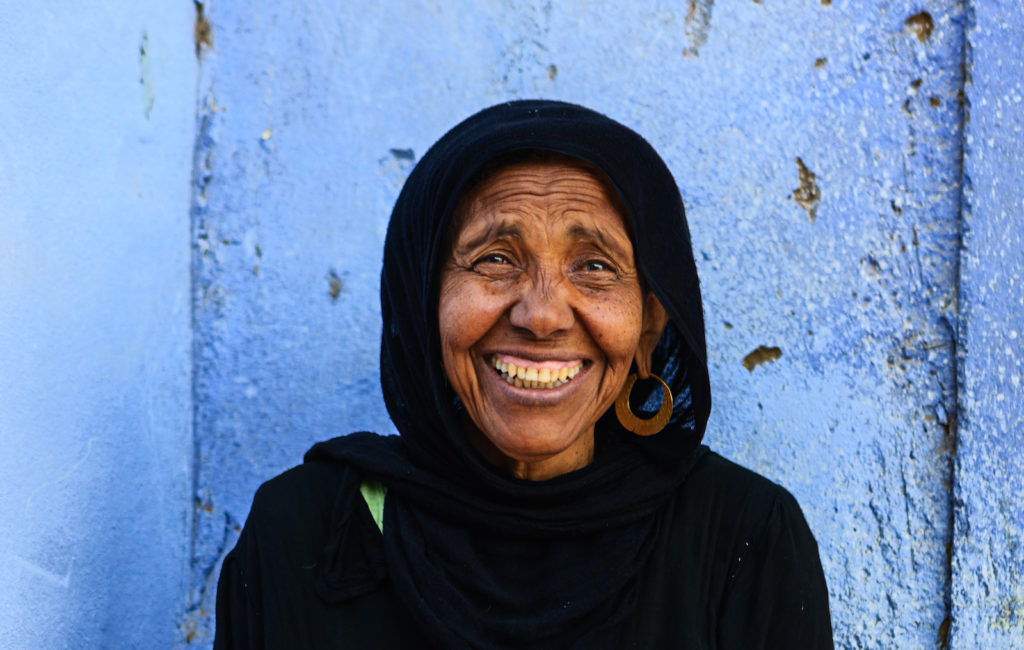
[373, 493]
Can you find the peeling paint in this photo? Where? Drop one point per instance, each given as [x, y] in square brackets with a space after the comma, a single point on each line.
[807, 195]
[202, 33]
[146, 76]
[920, 25]
[761, 354]
[334, 285]
[697, 25]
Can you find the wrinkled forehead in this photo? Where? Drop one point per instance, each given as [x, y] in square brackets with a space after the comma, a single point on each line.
[579, 188]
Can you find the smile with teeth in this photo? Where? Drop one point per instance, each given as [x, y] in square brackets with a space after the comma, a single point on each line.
[525, 376]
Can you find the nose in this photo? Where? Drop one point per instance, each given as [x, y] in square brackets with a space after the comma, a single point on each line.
[543, 308]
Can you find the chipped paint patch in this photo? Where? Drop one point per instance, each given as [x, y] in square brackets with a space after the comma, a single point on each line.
[762, 354]
[920, 25]
[807, 195]
[146, 75]
[697, 25]
[202, 31]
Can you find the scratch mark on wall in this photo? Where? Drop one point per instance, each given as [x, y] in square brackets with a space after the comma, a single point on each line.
[698, 25]
[145, 75]
[807, 196]
[65, 475]
[51, 577]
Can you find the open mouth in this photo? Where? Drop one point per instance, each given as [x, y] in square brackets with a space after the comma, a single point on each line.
[544, 376]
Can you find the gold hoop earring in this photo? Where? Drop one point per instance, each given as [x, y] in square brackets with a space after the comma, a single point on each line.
[630, 421]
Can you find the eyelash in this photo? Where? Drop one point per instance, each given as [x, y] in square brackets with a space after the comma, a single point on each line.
[585, 265]
[493, 258]
[606, 266]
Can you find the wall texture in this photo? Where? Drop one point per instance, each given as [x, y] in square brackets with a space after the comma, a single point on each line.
[988, 553]
[851, 174]
[97, 107]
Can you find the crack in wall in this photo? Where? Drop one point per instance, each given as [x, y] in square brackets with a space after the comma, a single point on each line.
[946, 633]
[193, 619]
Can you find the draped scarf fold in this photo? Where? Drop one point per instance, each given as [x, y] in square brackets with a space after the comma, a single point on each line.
[482, 559]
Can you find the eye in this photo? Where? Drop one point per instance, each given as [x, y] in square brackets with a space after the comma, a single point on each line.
[597, 266]
[493, 258]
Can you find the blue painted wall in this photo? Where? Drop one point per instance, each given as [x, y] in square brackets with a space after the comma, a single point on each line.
[893, 412]
[314, 115]
[988, 554]
[98, 108]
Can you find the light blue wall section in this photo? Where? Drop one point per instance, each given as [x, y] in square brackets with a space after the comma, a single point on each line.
[988, 555]
[313, 115]
[97, 105]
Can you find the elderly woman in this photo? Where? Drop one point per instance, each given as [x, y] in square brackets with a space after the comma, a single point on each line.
[543, 359]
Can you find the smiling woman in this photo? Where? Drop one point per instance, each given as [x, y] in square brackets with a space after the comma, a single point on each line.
[541, 313]
[537, 262]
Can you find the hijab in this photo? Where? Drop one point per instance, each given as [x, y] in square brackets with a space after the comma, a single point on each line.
[481, 558]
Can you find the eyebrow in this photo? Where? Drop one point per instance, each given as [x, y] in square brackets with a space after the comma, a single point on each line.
[583, 233]
[505, 230]
[494, 231]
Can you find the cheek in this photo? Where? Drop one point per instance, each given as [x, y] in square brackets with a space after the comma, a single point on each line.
[465, 314]
[616, 325]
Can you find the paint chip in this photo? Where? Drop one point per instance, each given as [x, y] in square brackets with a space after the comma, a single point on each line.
[761, 355]
[334, 285]
[697, 25]
[202, 31]
[145, 76]
[807, 196]
[920, 25]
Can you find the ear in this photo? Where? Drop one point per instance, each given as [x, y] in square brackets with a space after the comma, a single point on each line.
[654, 320]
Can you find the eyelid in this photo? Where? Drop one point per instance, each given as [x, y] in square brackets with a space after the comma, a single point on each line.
[598, 257]
[485, 257]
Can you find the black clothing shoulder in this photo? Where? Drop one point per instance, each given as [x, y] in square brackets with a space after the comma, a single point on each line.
[735, 566]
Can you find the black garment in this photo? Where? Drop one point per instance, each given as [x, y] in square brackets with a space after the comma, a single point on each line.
[734, 566]
[476, 558]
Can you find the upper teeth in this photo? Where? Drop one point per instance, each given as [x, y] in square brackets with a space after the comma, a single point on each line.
[528, 377]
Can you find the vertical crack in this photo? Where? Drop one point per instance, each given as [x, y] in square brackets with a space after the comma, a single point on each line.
[191, 617]
[958, 330]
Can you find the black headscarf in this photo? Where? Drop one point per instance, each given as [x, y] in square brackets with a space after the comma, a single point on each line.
[480, 558]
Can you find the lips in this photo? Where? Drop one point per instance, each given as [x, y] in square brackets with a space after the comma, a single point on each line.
[543, 375]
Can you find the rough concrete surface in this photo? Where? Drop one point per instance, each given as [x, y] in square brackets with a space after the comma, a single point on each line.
[97, 104]
[988, 555]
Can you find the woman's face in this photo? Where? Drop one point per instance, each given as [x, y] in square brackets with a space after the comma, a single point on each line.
[540, 311]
